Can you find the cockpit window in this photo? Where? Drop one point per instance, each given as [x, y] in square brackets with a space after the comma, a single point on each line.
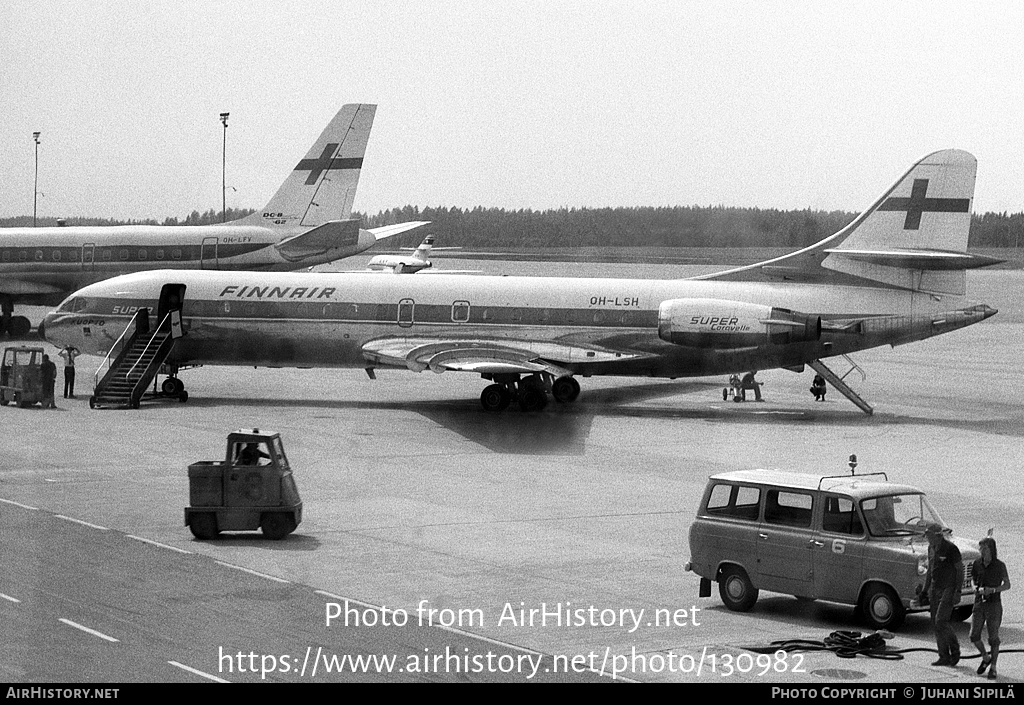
[73, 305]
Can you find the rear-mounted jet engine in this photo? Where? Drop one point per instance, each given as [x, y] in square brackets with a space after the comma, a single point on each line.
[714, 323]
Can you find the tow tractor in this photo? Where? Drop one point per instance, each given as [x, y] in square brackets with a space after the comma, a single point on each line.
[21, 376]
[252, 488]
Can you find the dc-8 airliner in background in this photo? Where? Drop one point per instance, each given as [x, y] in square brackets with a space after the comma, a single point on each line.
[894, 275]
[307, 222]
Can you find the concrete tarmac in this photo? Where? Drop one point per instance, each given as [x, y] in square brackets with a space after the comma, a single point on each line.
[417, 500]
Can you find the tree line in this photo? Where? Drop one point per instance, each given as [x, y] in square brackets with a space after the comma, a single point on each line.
[644, 226]
[670, 226]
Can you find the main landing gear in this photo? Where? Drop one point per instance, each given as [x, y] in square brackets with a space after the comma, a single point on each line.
[14, 326]
[530, 392]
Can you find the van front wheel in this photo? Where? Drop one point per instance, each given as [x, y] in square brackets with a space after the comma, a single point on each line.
[737, 592]
[881, 608]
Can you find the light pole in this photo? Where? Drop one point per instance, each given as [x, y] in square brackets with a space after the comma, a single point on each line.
[35, 184]
[223, 171]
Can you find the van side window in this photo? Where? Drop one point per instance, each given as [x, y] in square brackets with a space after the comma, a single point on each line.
[841, 517]
[734, 501]
[787, 508]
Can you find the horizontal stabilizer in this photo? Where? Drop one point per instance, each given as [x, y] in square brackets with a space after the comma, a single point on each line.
[332, 235]
[389, 230]
[919, 259]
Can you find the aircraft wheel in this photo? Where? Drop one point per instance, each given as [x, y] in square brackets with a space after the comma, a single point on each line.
[204, 525]
[565, 389]
[183, 396]
[19, 327]
[532, 398]
[277, 525]
[169, 387]
[495, 397]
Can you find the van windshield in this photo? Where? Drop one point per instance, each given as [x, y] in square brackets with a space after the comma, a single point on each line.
[898, 514]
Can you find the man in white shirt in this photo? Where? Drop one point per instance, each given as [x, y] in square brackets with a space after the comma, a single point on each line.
[69, 354]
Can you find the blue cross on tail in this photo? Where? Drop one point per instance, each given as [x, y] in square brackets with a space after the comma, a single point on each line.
[918, 204]
[325, 162]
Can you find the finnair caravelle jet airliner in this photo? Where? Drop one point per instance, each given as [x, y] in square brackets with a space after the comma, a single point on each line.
[307, 222]
[894, 275]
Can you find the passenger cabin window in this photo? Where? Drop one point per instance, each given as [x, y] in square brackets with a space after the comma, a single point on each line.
[460, 311]
[787, 508]
[841, 517]
[734, 501]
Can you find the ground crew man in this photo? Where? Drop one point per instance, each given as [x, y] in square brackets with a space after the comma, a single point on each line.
[69, 354]
[942, 586]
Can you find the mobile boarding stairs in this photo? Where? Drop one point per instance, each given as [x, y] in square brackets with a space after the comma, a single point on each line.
[134, 361]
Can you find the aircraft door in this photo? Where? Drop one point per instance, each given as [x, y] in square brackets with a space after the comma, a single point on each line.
[406, 311]
[88, 256]
[172, 298]
[208, 254]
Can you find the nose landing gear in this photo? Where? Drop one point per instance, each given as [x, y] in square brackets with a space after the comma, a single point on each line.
[175, 388]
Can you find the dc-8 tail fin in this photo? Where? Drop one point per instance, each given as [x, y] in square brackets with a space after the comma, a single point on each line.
[322, 186]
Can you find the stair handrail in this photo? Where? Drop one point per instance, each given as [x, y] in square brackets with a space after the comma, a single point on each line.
[115, 349]
[159, 329]
[854, 366]
[152, 367]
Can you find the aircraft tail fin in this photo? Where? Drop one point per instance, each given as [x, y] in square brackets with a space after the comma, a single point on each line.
[914, 236]
[423, 251]
[322, 187]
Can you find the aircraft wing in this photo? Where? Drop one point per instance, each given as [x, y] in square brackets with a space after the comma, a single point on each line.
[484, 356]
[389, 230]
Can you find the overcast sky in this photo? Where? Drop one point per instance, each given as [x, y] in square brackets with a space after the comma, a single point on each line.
[509, 104]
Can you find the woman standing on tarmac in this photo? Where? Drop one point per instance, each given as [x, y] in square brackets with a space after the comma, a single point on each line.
[990, 579]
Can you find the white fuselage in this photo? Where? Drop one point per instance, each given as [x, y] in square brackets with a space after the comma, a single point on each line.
[44, 265]
[326, 319]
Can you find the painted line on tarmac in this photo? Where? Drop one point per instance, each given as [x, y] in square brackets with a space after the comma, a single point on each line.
[85, 629]
[8, 597]
[18, 504]
[253, 572]
[157, 543]
[83, 523]
[197, 672]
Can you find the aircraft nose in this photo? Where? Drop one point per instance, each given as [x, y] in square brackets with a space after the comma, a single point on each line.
[47, 324]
